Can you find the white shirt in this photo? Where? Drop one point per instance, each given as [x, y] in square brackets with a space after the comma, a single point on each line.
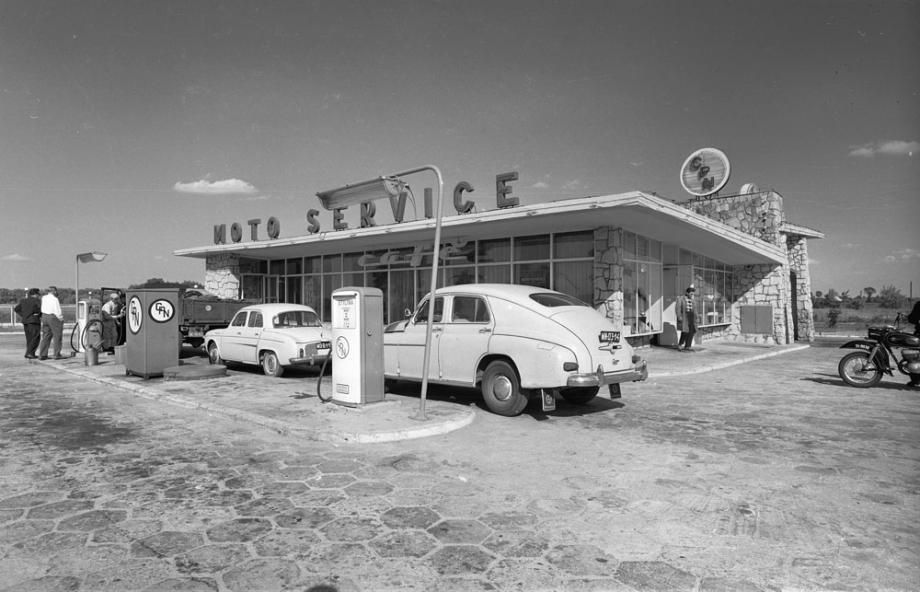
[51, 305]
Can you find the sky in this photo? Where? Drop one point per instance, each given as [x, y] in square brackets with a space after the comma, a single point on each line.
[133, 127]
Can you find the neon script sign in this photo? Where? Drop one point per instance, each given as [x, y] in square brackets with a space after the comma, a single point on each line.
[368, 212]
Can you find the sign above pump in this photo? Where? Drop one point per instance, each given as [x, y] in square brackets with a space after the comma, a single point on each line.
[705, 172]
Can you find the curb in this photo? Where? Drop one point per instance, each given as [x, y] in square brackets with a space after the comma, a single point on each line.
[730, 363]
[284, 428]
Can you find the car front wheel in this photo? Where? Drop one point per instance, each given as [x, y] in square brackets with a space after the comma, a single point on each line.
[270, 364]
[214, 354]
[501, 390]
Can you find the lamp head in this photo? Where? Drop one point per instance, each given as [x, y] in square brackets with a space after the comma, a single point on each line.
[91, 256]
[342, 197]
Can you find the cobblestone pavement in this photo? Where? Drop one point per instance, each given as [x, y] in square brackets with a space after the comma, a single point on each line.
[769, 476]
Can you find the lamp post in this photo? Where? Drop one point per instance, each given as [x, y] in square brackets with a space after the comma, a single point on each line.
[390, 186]
[82, 258]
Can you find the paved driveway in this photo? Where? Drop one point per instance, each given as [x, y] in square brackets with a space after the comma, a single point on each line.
[768, 476]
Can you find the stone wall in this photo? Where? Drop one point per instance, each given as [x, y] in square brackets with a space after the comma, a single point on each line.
[758, 214]
[608, 273]
[798, 264]
[222, 276]
[762, 284]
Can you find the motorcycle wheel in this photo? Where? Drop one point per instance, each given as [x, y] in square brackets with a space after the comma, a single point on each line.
[856, 369]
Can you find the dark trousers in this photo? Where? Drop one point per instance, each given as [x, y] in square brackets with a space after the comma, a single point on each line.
[33, 335]
[686, 337]
[52, 334]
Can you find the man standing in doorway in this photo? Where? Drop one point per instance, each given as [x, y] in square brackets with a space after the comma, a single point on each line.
[30, 310]
[52, 325]
[686, 319]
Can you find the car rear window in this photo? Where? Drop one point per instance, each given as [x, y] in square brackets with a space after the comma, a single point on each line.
[296, 318]
[552, 300]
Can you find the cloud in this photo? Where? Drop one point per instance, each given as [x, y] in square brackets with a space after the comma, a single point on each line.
[902, 255]
[850, 245]
[885, 148]
[813, 261]
[225, 187]
[539, 185]
[15, 257]
[572, 185]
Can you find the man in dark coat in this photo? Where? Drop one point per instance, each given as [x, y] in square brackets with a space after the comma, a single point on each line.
[686, 319]
[29, 310]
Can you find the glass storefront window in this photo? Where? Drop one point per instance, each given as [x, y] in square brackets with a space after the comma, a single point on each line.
[294, 286]
[312, 264]
[295, 266]
[531, 248]
[494, 274]
[332, 263]
[575, 278]
[276, 267]
[573, 245]
[532, 274]
[351, 262]
[459, 275]
[494, 251]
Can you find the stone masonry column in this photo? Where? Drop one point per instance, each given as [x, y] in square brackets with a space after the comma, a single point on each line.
[798, 264]
[222, 276]
[608, 273]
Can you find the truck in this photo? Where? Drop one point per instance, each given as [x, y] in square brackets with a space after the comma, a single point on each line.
[199, 312]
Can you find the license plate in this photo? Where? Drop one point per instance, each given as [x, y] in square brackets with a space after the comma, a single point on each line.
[323, 345]
[609, 337]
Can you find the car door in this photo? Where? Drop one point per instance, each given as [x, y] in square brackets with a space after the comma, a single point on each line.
[411, 352]
[231, 339]
[464, 338]
[249, 338]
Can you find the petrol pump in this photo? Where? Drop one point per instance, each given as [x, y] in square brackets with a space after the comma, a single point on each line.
[89, 315]
[357, 346]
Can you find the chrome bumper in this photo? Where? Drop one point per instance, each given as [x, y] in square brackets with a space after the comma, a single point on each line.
[638, 373]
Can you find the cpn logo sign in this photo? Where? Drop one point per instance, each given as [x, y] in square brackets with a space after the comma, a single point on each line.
[705, 172]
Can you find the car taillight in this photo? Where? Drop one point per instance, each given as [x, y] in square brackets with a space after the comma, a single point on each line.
[570, 366]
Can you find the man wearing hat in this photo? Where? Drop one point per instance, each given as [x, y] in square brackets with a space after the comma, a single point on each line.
[686, 319]
[29, 310]
[52, 325]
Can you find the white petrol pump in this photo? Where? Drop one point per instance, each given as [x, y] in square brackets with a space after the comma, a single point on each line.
[357, 346]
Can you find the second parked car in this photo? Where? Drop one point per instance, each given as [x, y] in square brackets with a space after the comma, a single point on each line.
[513, 342]
[274, 336]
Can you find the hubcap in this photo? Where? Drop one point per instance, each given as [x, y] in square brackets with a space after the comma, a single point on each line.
[501, 388]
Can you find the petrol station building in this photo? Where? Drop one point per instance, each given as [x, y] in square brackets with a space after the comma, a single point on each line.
[630, 255]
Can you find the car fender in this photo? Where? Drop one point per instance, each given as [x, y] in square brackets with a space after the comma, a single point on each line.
[539, 362]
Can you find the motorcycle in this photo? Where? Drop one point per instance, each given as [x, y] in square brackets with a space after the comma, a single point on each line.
[885, 348]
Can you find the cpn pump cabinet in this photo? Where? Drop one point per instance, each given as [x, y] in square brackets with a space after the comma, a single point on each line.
[153, 331]
[357, 344]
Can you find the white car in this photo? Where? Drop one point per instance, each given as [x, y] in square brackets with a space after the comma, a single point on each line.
[273, 335]
[514, 342]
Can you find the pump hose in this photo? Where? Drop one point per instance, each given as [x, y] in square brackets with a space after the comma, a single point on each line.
[73, 331]
[319, 380]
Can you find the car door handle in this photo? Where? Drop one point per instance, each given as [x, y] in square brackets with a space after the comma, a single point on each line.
[486, 330]
[437, 329]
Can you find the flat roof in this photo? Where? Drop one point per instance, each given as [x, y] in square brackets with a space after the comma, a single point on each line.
[636, 211]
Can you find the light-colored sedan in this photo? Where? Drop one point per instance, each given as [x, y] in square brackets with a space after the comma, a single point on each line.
[275, 336]
[513, 342]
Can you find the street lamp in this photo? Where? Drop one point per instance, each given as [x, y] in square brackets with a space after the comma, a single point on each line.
[83, 258]
[389, 187]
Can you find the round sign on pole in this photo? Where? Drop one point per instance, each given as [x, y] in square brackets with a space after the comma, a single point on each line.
[705, 172]
[135, 315]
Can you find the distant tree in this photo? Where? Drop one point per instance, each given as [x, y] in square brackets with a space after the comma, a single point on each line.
[161, 283]
[891, 297]
[819, 294]
[870, 291]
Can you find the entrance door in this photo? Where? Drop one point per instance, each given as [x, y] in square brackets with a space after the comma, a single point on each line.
[670, 283]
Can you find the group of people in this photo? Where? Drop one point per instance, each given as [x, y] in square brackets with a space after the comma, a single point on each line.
[43, 323]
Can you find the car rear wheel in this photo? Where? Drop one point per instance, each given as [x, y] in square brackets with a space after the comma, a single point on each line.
[270, 364]
[579, 395]
[501, 390]
[214, 354]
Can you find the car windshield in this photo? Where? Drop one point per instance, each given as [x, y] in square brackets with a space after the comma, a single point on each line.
[296, 318]
[551, 299]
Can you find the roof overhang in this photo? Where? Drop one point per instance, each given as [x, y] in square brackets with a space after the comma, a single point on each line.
[798, 230]
[637, 212]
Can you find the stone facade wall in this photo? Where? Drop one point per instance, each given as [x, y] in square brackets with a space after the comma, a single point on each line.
[758, 214]
[798, 264]
[608, 273]
[222, 276]
[762, 284]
